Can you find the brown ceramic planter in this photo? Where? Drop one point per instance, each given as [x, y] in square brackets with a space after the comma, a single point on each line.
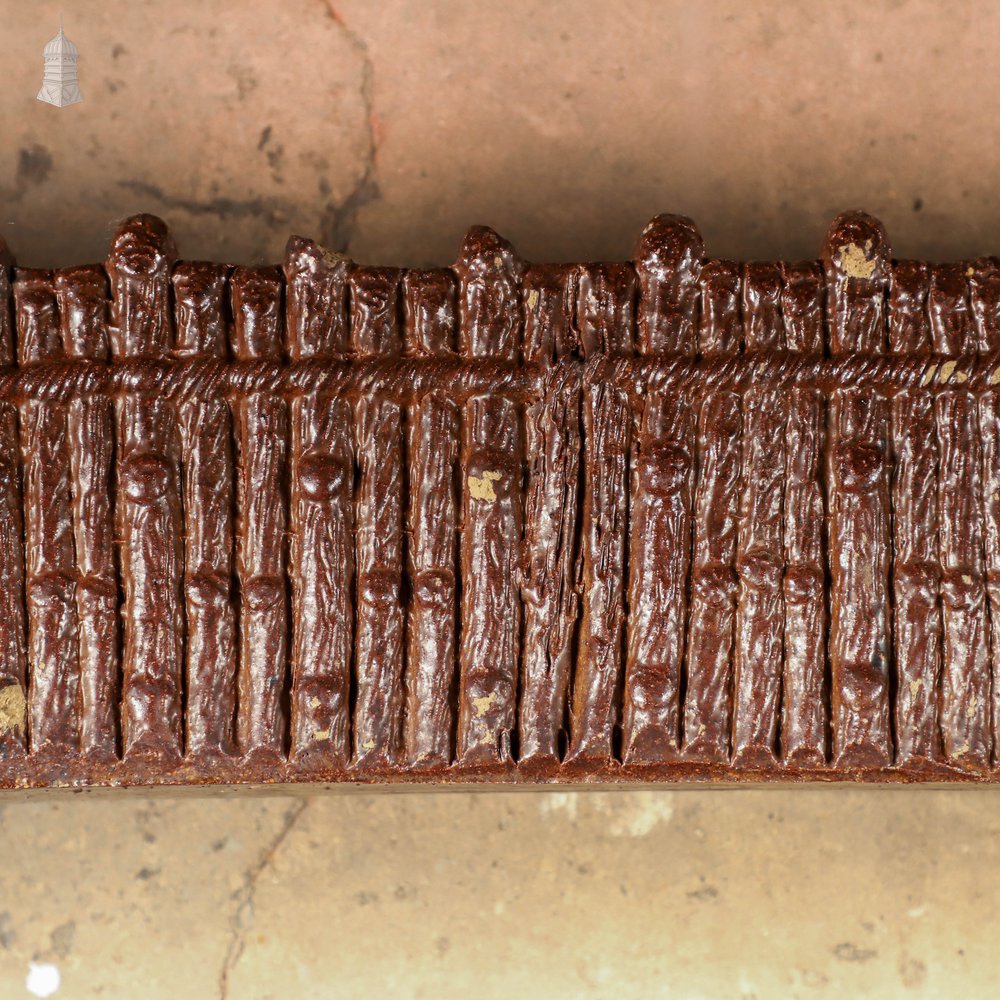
[672, 520]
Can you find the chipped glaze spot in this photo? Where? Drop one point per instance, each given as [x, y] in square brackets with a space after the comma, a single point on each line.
[481, 487]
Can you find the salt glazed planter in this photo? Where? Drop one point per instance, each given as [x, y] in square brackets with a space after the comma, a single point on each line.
[676, 520]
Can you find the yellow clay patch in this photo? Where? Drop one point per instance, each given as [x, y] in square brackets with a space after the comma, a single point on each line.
[946, 370]
[481, 487]
[483, 705]
[12, 709]
[855, 262]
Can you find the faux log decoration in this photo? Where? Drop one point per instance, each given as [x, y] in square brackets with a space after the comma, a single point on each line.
[673, 520]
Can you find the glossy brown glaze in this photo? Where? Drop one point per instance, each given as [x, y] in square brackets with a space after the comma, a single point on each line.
[148, 504]
[550, 588]
[322, 515]
[433, 493]
[50, 584]
[680, 519]
[805, 688]
[260, 425]
[380, 501]
[607, 423]
[206, 434]
[82, 294]
[490, 320]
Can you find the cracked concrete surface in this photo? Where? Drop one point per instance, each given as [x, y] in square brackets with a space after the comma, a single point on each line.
[244, 915]
[237, 123]
[742, 893]
[339, 219]
[386, 129]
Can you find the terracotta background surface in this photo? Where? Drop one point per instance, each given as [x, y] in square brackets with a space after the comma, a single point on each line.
[385, 129]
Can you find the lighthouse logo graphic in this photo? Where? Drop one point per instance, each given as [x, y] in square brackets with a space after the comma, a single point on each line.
[60, 85]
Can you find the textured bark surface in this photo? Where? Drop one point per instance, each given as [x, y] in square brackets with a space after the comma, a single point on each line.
[676, 519]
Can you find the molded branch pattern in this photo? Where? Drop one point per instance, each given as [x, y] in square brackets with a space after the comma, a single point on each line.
[679, 519]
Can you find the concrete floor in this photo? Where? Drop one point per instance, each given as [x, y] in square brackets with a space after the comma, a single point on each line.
[386, 129]
[692, 894]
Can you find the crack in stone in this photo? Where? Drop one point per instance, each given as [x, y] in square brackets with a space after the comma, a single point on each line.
[337, 226]
[246, 898]
[338, 221]
[251, 207]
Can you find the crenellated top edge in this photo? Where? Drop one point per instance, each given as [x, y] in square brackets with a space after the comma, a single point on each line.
[854, 241]
[142, 244]
[669, 244]
[303, 255]
[671, 299]
[857, 247]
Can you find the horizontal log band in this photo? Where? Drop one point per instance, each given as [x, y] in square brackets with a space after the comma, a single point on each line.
[408, 380]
